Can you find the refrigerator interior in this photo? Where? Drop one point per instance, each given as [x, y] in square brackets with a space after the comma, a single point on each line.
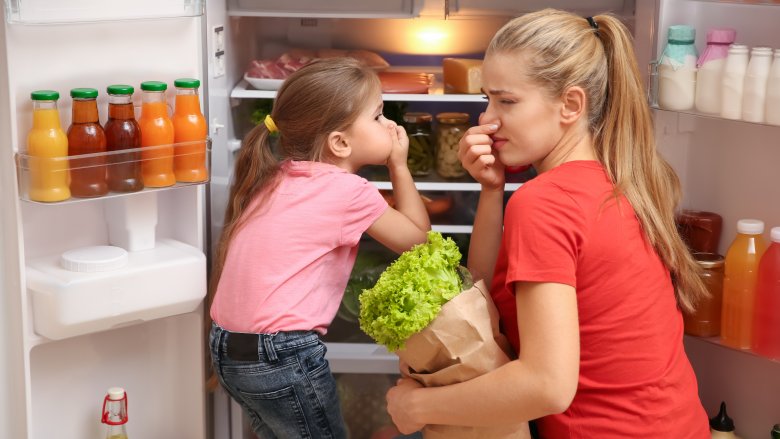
[68, 337]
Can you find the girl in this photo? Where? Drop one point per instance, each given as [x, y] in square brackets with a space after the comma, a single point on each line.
[589, 274]
[290, 240]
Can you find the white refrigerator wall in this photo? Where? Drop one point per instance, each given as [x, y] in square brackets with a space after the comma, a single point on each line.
[55, 388]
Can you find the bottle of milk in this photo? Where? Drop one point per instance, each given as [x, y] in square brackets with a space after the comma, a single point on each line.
[773, 92]
[710, 69]
[677, 70]
[733, 82]
[756, 76]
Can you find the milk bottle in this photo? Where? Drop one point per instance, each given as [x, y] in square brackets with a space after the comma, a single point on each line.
[756, 76]
[773, 92]
[677, 70]
[710, 69]
[733, 82]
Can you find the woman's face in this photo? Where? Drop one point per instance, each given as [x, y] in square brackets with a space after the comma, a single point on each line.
[529, 120]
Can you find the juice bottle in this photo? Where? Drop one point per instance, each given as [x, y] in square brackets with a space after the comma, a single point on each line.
[123, 132]
[47, 146]
[115, 413]
[766, 320]
[189, 125]
[156, 136]
[86, 136]
[739, 283]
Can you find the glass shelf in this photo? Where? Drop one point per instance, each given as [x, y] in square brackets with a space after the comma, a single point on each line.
[49, 180]
[716, 341]
[712, 116]
[75, 11]
[746, 2]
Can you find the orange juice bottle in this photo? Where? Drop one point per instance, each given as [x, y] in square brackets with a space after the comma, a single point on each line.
[739, 283]
[47, 147]
[156, 136]
[189, 127]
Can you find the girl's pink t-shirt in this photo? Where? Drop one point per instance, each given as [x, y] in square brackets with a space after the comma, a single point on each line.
[287, 267]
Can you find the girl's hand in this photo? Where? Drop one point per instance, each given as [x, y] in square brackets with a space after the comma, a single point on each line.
[398, 408]
[400, 148]
[475, 152]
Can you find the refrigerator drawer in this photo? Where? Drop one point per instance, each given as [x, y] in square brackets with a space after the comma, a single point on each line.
[167, 280]
[57, 11]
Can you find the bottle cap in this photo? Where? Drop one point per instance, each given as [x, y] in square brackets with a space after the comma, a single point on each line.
[120, 89]
[187, 83]
[45, 95]
[721, 421]
[762, 51]
[94, 259]
[154, 86]
[738, 48]
[750, 226]
[116, 393]
[681, 33]
[83, 93]
[417, 117]
[775, 234]
[452, 117]
[722, 35]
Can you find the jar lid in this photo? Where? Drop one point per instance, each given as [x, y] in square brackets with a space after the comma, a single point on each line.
[775, 234]
[709, 260]
[187, 83]
[94, 259]
[681, 33]
[45, 95]
[417, 117]
[154, 86]
[452, 117]
[723, 35]
[84, 93]
[750, 226]
[120, 89]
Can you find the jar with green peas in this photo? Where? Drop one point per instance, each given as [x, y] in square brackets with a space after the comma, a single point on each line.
[418, 128]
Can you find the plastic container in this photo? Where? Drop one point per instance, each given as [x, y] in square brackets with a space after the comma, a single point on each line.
[766, 320]
[451, 127]
[773, 91]
[733, 84]
[756, 77]
[421, 151]
[47, 145]
[115, 413]
[123, 133]
[677, 70]
[739, 284]
[721, 425]
[709, 73]
[705, 321]
[189, 126]
[86, 136]
[156, 131]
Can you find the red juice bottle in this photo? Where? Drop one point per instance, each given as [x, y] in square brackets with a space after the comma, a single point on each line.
[766, 320]
[123, 133]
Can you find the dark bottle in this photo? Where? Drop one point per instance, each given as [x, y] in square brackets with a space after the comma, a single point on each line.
[86, 136]
[776, 431]
[123, 133]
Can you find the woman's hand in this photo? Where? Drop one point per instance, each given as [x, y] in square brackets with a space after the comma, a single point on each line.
[400, 149]
[399, 408]
[475, 152]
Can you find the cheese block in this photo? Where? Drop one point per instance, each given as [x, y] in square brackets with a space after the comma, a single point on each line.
[462, 75]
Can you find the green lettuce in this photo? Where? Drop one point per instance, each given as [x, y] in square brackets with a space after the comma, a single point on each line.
[411, 291]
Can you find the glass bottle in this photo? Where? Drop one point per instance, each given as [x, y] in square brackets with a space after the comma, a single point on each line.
[756, 77]
[733, 82]
[705, 321]
[451, 128]
[739, 283]
[47, 148]
[418, 128]
[766, 319]
[123, 133]
[710, 69]
[157, 136]
[190, 131]
[86, 136]
[776, 431]
[677, 69]
[773, 91]
[115, 413]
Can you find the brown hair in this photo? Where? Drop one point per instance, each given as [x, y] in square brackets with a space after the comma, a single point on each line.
[322, 97]
[563, 50]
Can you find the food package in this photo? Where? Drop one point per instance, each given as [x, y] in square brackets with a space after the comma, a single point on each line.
[405, 82]
[461, 75]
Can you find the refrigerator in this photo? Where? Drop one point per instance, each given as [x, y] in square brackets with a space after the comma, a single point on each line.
[65, 340]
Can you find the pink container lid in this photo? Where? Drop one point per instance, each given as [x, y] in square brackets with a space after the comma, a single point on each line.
[718, 40]
[723, 35]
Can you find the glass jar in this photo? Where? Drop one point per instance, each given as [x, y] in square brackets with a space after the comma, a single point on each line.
[705, 321]
[451, 128]
[418, 128]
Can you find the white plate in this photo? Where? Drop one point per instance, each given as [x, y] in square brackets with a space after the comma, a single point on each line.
[264, 83]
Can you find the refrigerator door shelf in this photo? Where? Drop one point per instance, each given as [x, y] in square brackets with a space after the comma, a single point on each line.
[328, 9]
[361, 358]
[165, 281]
[38, 177]
[58, 11]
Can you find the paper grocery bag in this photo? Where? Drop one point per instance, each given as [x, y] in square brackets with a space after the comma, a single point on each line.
[461, 343]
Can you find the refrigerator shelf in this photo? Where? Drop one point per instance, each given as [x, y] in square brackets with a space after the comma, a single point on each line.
[57, 11]
[361, 358]
[712, 116]
[329, 9]
[716, 341]
[42, 178]
[445, 186]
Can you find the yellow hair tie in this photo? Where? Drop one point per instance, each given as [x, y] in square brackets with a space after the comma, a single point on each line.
[269, 123]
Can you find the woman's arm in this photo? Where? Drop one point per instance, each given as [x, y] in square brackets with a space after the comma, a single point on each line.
[542, 381]
[486, 234]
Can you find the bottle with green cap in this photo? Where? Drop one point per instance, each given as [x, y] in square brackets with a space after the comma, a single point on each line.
[47, 148]
[123, 133]
[677, 69]
[157, 136]
[86, 136]
[190, 131]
